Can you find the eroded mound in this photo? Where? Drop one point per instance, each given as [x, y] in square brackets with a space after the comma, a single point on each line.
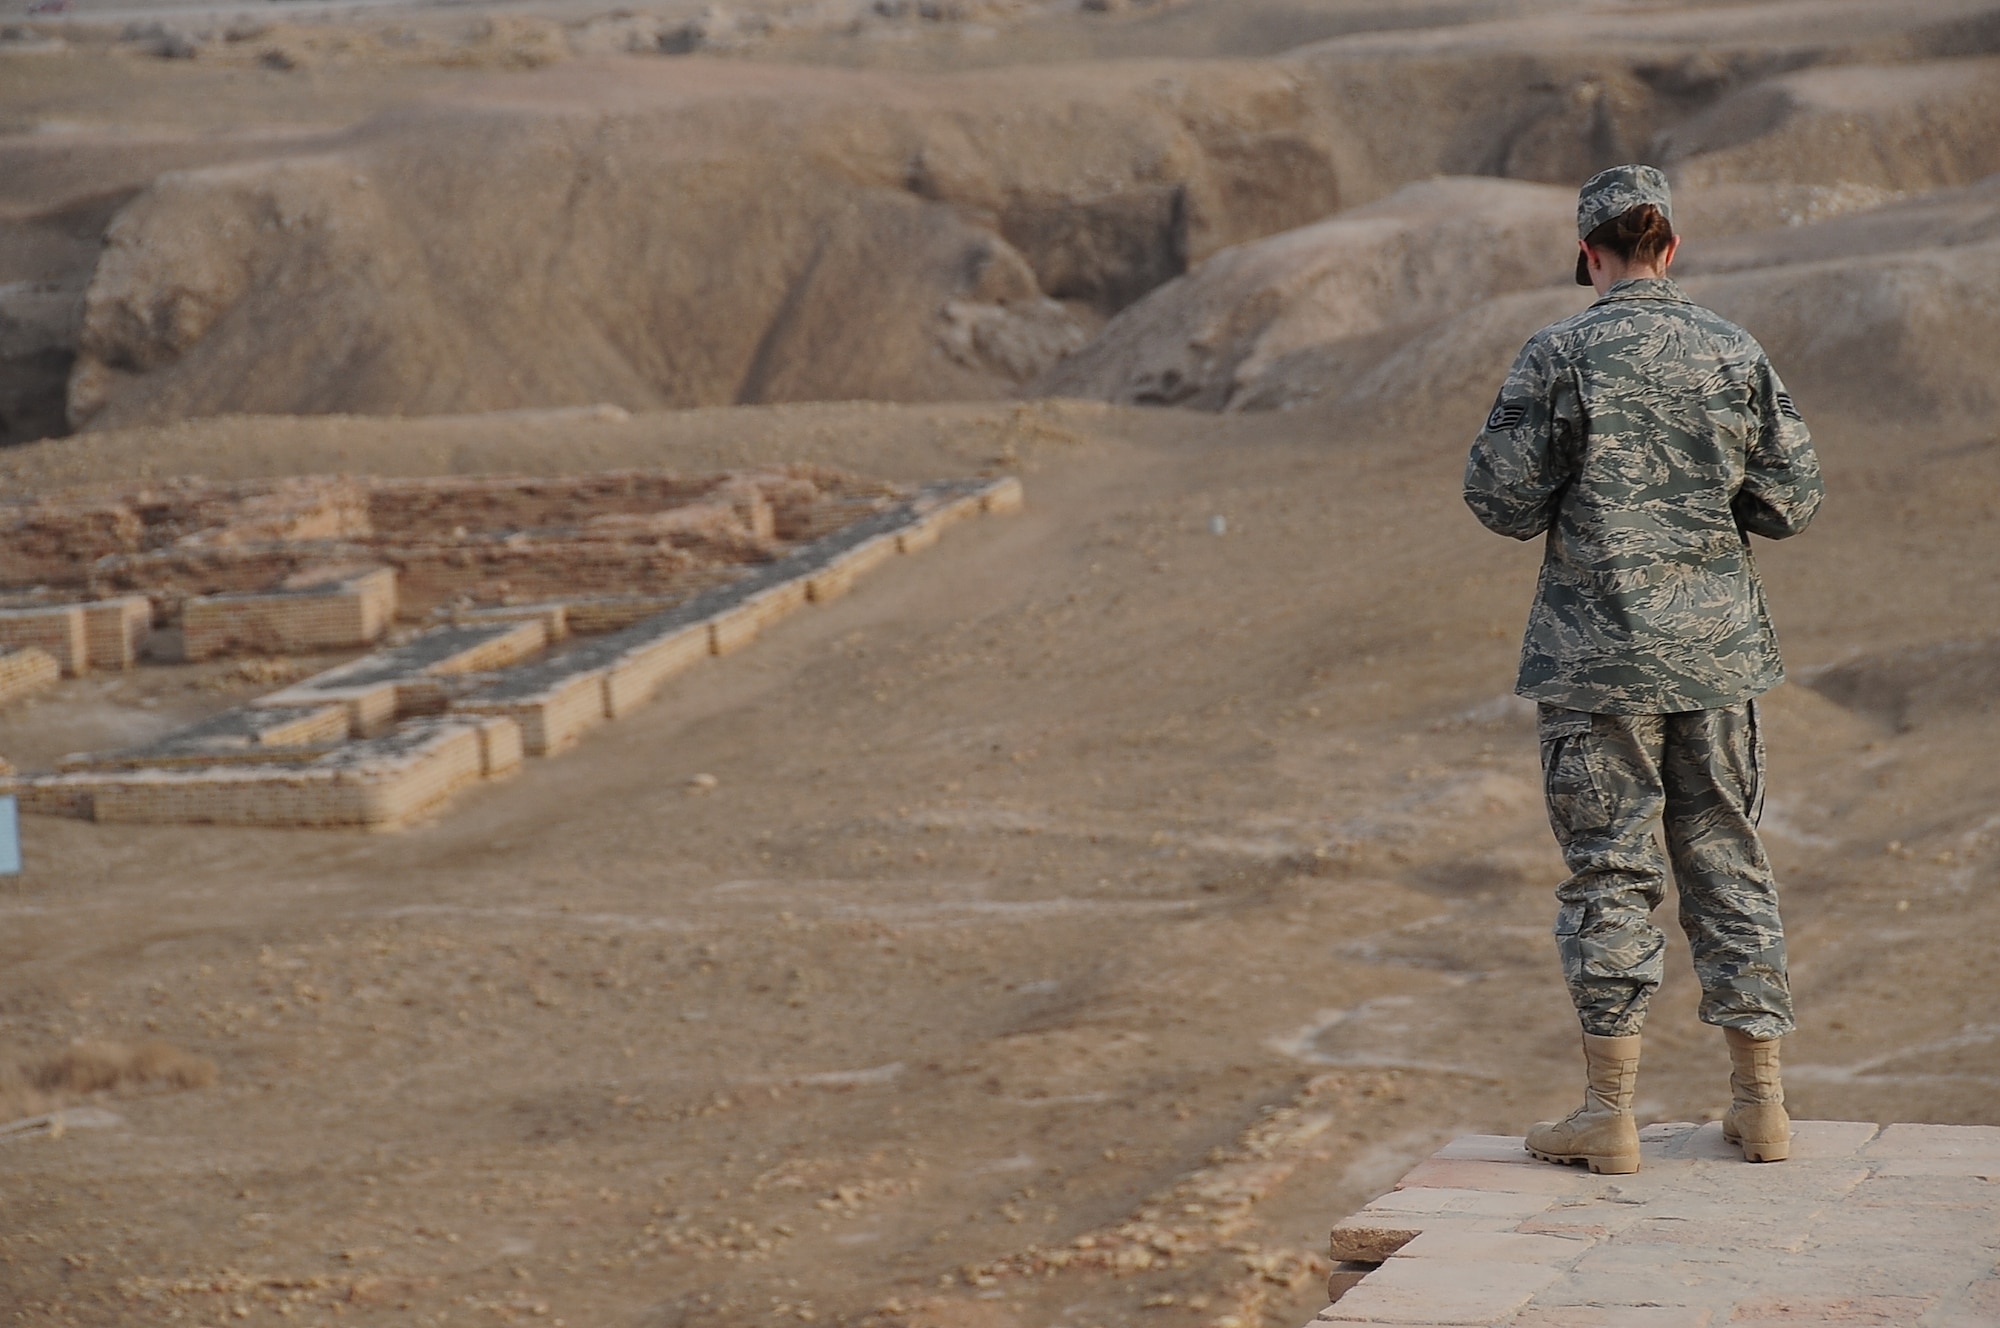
[676, 232]
[1292, 318]
[684, 235]
[1420, 303]
[1918, 126]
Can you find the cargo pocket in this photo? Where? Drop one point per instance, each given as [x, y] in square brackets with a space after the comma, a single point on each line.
[1572, 774]
[1615, 947]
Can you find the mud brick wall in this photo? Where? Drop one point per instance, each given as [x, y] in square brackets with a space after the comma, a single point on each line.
[190, 511]
[554, 617]
[408, 679]
[380, 784]
[113, 630]
[57, 630]
[58, 540]
[636, 674]
[246, 734]
[377, 589]
[305, 727]
[55, 543]
[500, 746]
[524, 568]
[443, 506]
[553, 705]
[370, 707]
[353, 612]
[438, 507]
[840, 573]
[25, 669]
[173, 576]
[442, 758]
[452, 539]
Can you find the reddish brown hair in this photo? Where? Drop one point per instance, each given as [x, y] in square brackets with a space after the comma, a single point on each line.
[1640, 236]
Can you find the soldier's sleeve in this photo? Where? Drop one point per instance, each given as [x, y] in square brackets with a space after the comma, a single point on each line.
[1781, 481]
[1525, 455]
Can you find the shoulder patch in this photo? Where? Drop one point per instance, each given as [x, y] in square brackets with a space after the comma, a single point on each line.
[1508, 415]
[1788, 408]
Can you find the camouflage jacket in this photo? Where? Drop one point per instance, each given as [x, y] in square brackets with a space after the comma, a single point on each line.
[1648, 437]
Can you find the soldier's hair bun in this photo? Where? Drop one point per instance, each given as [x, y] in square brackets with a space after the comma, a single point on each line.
[1639, 236]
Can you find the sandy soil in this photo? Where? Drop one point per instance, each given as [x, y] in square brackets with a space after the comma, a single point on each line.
[1093, 869]
[1077, 919]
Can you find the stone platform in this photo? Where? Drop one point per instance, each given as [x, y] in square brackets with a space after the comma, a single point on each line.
[1894, 1225]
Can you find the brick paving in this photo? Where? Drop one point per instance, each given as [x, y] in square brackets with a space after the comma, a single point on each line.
[1895, 1225]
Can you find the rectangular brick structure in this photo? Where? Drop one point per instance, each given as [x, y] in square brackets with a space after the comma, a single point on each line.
[379, 782]
[1890, 1225]
[553, 616]
[57, 631]
[247, 734]
[636, 535]
[114, 629]
[385, 738]
[25, 669]
[635, 673]
[611, 613]
[946, 507]
[553, 703]
[412, 678]
[313, 612]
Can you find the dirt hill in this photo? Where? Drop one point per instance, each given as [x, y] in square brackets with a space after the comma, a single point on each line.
[656, 231]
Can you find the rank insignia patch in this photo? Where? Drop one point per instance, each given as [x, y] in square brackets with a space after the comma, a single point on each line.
[1786, 407]
[1506, 415]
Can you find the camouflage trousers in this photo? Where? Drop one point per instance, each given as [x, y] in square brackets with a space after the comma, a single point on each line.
[1609, 778]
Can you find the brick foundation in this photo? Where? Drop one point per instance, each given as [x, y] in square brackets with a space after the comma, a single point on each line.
[325, 615]
[114, 629]
[415, 678]
[380, 782]
[486, 540]
[390, 736]
[551, 716]
[57, 631]
[247, 734]
[25, 669]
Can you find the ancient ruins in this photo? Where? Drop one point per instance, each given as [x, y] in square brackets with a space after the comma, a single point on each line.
[503, 617]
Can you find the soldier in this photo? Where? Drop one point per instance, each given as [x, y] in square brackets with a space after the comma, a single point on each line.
[1648, 438]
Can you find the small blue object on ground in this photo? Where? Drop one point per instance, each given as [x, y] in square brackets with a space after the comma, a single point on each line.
[10, 836]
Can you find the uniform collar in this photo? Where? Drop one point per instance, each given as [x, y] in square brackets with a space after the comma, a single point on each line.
[1645, 288]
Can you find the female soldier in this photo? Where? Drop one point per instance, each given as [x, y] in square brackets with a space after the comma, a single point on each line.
[1649, 438]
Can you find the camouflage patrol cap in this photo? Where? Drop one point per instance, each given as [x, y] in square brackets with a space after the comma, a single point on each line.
[1612, 193]
[1615, 192]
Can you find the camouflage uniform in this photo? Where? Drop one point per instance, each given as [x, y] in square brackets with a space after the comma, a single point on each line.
[1647, 437]
[1700, 772]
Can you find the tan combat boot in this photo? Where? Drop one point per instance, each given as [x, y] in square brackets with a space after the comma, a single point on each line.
[1756, 1119]
[1601, 1132]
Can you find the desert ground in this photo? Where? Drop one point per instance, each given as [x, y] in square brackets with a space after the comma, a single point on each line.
[1068, 926]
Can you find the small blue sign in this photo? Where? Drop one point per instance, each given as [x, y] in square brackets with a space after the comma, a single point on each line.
[10, 835]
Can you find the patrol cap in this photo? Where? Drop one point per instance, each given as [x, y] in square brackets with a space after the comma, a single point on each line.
[1612, 193]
